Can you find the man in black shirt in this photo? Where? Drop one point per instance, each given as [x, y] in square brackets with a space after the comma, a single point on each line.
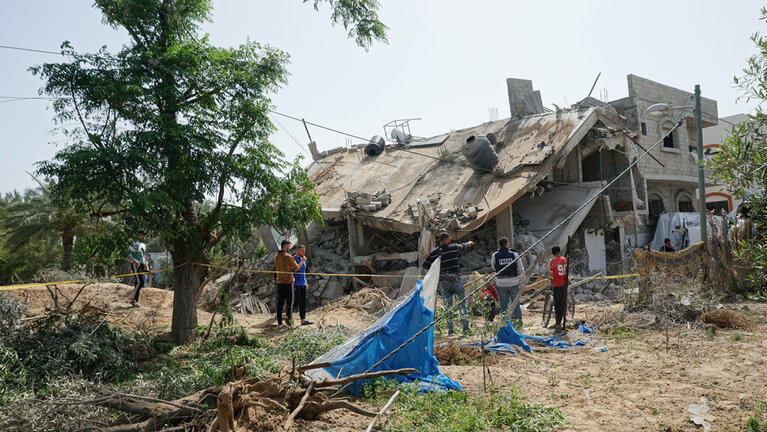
[450, 283]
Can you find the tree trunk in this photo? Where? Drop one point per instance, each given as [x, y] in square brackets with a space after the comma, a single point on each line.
[188, 279]
[67, 241]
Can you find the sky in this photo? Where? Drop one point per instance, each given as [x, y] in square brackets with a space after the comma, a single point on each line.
[446, 61]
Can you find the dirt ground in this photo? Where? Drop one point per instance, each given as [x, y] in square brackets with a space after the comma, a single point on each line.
[635, 385]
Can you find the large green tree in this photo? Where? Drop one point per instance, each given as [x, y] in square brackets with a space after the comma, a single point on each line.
[741, 163]
[171, 121]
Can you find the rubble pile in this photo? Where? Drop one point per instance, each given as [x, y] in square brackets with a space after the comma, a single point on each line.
[366, 201]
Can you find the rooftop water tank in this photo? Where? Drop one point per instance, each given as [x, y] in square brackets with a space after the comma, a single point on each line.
[480, 154]
[376, 146]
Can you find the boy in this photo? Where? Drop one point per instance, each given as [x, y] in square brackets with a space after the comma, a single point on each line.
[558, 275]
[299, 285]
[284, 265]
[667, 246]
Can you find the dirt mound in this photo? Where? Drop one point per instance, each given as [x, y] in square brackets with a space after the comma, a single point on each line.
[368, 299]
[725, 318]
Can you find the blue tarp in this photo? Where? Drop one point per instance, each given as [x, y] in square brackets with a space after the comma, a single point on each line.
[509, 341]
[388, 333]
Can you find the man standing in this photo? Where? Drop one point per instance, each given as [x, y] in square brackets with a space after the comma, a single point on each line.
[507, 276]
[558, 275]
[299, 285]
[450, 283]
[284, 266]
[139, 260]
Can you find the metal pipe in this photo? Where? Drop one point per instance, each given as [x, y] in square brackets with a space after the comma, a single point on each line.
[701, 170]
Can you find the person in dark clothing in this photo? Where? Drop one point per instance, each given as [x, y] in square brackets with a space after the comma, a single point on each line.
[299, 285]
[667, 246]
[558, 275]
[507, 279]
[450, 282]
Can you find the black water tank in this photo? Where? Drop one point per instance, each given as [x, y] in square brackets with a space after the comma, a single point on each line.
[480, 154]
[376, 146]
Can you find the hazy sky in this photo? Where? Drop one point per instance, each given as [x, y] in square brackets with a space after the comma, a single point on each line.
[446, 60]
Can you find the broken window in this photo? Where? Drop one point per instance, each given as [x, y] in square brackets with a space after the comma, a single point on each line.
[718, 206]
[685, 204]
[668, 138]
[655, 208]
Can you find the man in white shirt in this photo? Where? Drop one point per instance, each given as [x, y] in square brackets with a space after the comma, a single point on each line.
[139, 260]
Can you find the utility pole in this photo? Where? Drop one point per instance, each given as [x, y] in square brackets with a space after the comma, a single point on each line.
[701, 170]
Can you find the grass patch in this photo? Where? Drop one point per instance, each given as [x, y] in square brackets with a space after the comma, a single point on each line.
[460, 411]
[305, 345]
[756, 424]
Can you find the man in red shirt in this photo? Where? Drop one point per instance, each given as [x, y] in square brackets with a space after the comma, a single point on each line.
[558, 275]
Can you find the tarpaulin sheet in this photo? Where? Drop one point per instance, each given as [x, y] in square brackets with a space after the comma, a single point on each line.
[388, 333]
[509, 341]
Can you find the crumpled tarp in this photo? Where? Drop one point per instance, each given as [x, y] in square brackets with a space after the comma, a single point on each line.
[385, 335]
[509, 341]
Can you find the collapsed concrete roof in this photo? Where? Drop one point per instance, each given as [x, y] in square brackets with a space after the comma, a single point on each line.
[454, 197]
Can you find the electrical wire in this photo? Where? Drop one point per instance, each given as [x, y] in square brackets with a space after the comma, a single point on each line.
[30, 50]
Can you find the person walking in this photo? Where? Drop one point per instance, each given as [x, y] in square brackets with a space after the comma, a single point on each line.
[450, 282]
[140, 264]
[558, 275]
[299, 284]
[507, 277]
[284, 266]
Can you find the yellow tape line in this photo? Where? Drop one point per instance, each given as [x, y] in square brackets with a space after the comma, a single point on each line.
[24, 286]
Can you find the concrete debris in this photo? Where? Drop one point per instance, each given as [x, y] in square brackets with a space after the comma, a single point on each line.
[366, 201]
[699, 414]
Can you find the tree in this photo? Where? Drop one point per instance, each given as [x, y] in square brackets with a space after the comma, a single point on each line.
[171, 121]
[741, 163]
[37, 215]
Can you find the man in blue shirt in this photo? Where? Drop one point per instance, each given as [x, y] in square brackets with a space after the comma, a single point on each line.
[299, 285]
[450, 283]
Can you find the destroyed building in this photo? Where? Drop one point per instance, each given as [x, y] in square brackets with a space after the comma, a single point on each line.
[518, 177]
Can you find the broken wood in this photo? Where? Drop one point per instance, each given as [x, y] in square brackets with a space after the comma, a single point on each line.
[289, 421]
[244, 404]
[313, 366]
[364, 376]
[383, 411]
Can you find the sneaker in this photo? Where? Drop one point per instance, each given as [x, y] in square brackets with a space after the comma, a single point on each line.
[305, 323]
[280, 326]
[134, 303]
[556, 327]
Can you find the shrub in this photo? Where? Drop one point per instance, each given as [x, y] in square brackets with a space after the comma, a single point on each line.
[305, 346]
[459, 411]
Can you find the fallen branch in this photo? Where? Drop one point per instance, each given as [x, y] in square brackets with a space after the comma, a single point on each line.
[383, 411]
[359, 377]
[289, 421]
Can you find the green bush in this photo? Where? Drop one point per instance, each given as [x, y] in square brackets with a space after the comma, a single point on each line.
[460, 411]
[205, 363]
[305, 346]
[756, 424]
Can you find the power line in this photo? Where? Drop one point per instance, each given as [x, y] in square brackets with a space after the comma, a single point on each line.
[30, 50]
[294, 138]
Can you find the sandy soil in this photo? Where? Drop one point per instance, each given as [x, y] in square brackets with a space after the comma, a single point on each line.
[633, 386]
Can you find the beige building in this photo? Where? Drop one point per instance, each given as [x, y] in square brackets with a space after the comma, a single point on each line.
[546, 164]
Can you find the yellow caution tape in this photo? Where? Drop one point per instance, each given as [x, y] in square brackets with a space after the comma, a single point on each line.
[33, 285]
[24, 286]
